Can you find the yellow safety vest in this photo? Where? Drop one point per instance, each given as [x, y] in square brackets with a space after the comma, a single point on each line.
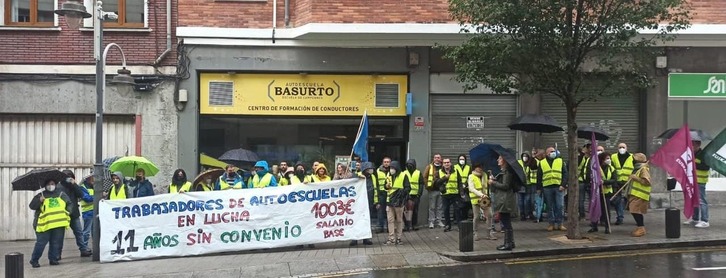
[263, 182]
[624, 170]
[640, 190]
[317, 178]
[205, 187]
[452, 186]
[53, 215]
[382, 177]
[582, 169]
[701, 175]
[295, 180]
[528, 173]
[283, 181]
[86, 206]
[551, 175]
[120, 195]
[395, 185]
[606, 176]
[224, 185]
[173, 188]
[479, 186]
[462, 173]
[430, 181]
[414, 180]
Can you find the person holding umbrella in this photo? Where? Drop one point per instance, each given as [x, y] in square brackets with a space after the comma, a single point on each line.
[179, 182]
[142, 187]
[52, 216]
[504, 200]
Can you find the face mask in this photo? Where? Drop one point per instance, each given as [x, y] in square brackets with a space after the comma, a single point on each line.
[462, 162]
[622, 150]
[525, 159]
[300, 171]
[392, 171]
[260, 172]
[607, 162]
[369, 171]
[50, 188]
[139, 178]
[553, 155]
[599, 152]
[69, 179]
[410, 167]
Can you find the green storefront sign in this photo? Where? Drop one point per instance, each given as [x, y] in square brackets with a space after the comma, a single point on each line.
[697, 85]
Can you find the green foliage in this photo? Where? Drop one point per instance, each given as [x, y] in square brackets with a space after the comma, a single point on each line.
[554, 47]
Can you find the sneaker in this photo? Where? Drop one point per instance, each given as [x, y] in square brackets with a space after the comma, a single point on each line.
[431, 225]
[702, 224]
[550, 228]
[690, 222]
[389, 242]
[440, 225]
[54, 263]
[34, 264]
[399, 242]
[562, 228]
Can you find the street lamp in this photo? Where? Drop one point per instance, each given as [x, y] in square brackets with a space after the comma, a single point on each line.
[74, 13]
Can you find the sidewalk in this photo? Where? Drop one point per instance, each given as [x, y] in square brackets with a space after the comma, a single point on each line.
[421, 248]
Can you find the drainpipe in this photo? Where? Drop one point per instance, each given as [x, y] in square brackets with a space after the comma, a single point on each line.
[168, 35]
[274, 19]
[287, 13]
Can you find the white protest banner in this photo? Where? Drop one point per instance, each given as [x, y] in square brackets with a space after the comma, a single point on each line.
[232, 220]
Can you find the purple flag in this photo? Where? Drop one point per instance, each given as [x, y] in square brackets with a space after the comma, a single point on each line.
[595, 182]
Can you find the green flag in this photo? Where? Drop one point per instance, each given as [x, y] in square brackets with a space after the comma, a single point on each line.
[715, 153]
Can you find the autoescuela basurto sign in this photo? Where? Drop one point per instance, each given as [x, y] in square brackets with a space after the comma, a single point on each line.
[298, 94]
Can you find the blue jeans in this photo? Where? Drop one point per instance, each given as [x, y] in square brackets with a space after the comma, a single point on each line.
[87, 228]
[52, 236]
[619, 204]
[525, 207]
[701, 212]
[555, 200]
[382, 216]
[77, 228]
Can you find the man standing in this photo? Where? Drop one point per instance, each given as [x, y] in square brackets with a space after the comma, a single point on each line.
[449, 180]
[583, 177]
[87, 208]
[411, 210]
[74, 192]
[367, 172]
[141, 186]
[381, 196]
[229, 180]
[700, 213]
[624, 166]
[430, 175]
[552, 179]
[262, 178]
[398, 188]
[282, 175]
[463, 170]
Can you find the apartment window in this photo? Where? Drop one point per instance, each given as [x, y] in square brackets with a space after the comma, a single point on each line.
[29, 12]
[131, 13]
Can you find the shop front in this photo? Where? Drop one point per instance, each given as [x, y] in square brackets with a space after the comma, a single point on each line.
[302, 117]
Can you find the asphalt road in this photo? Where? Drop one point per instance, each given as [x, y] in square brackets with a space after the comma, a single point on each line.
[653, 263]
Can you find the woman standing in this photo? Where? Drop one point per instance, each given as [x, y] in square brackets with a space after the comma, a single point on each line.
[609, 178]
[341, 172]
[639, 198]
[179, 182]
[505, 201]
[52, 216]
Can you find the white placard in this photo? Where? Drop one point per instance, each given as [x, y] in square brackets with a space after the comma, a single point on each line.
[233, 220]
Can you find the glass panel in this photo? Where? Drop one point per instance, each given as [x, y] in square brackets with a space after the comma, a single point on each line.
[134, 11]
[111, 6]
[19, 10]
[45, 10]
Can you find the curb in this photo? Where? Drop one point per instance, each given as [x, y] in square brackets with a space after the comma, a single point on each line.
[480, 256]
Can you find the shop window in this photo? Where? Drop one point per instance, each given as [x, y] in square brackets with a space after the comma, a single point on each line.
[221, 93]
[387, 96]
[31, 13]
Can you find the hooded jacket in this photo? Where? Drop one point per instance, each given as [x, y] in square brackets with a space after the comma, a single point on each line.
[259, 176]
[397, 196]
[370, 178]
[73, 191]
[316, 178]
[421, 181]
[122, 184]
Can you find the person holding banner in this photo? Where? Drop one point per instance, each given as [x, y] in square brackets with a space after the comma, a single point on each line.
[262, 177]
[609, 178]
[321, 174]
[230, 180]
[366, 172]
[398, 187]
[700, 212]
[639, 198]
[300, 175]
[179, 182]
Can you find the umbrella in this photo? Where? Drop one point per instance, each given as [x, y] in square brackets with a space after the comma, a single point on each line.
[511, 157]
[485, 154]
[695, 134]
[213, 174]
[239, 157]
[535, 123]
[585, 132]
[35, 179]
[106, 173]
[128, 165]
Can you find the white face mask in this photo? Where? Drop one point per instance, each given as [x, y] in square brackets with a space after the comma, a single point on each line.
[50, 188]
[525, 159]
[607, 162]
[622, 150]
[392, 171]
[462, 162]
[599, 152]
[553, 155]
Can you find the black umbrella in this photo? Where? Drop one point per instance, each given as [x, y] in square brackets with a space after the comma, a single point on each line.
[239, 157]
[585, 132]
[511, 157]
[35, 179]
[695, 134]
[535, 123]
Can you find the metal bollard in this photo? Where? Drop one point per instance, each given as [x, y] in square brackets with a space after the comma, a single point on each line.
[14, 265]
[466, 236]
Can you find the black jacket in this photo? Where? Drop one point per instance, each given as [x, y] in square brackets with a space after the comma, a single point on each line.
[74, 193]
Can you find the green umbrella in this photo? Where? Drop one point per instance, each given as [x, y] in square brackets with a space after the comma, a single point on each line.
[128, 165]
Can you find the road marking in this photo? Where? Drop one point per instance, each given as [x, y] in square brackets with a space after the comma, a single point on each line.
[709, 268]
[605, 256]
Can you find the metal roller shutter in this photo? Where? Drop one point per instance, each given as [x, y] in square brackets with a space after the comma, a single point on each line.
[616, 115]
[450, 135]
[30, 142]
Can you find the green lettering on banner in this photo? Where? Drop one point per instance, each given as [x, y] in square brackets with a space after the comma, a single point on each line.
[697, 85]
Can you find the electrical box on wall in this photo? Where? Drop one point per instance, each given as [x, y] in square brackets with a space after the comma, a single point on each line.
[183, 95]
[661, 62]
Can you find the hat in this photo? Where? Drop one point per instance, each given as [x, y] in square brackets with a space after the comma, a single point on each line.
[640, 157]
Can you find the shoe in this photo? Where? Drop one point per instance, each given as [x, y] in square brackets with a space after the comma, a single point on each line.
[354, 243]
[408, 227]
[593, 228]
[34, 264]
[492, 235]
[690, 222]
[447, 228]
[367, 242]
[54, 263]
[550, 228]
[562, 228]
[508, 242]
[440, 225]
[86, 253]
[619, 222]
[431, 225]
[638, 232]
[300, 247]
[702, 224]
[607, 230]
[389, 242]
[311, 245]
[399, 242]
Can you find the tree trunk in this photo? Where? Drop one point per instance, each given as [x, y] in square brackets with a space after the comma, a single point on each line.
[573, 222]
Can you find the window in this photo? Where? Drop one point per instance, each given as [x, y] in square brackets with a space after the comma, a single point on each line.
[130, 13]
[29, 12]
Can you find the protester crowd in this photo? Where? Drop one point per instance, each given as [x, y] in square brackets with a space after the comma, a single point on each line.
[454, 188]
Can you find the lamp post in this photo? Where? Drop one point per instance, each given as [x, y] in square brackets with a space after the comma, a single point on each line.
[74, 13]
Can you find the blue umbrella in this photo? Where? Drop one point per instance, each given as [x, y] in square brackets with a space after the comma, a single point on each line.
[486, 155]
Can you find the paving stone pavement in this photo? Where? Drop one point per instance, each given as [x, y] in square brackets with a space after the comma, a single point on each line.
[425, 247]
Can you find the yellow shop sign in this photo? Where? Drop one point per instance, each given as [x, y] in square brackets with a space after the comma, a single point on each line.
[298, 94]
